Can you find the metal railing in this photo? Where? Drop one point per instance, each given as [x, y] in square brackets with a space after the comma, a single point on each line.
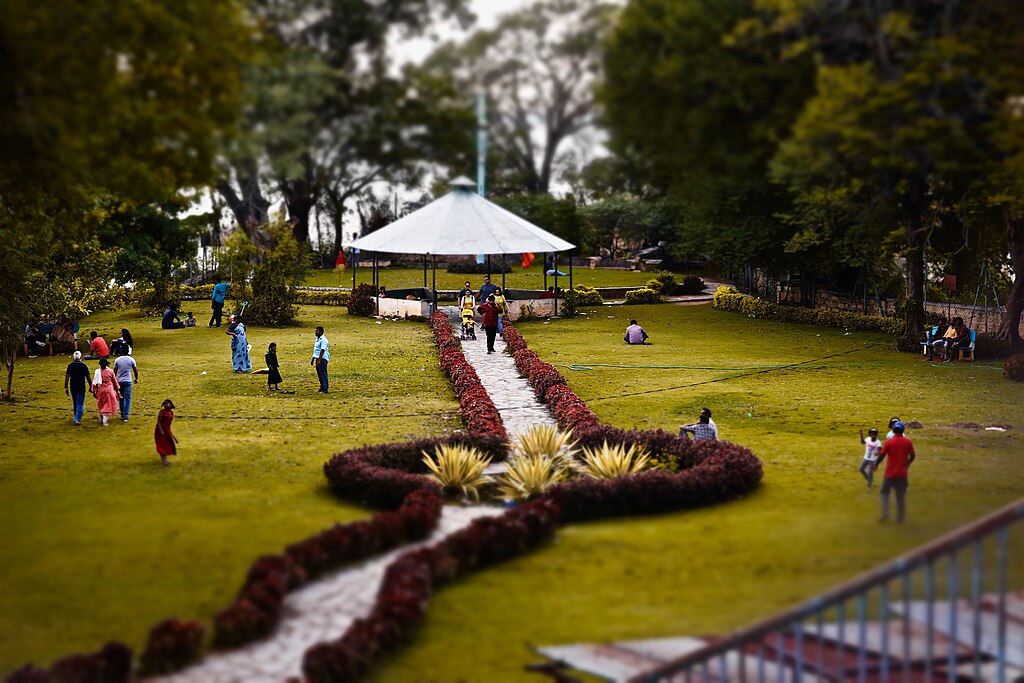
[938, 613]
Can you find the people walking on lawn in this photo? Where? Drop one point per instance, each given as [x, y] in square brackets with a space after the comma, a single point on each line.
[220, 292]
[872, 445]
[127, 373]
[489, 311]
[274, 372]
[635, 334]
[106, 390]
[166, 441]
[898, 454]
[486, 289]
[171, 320]
[701, 429]
[239, 347]
[499, 301]
[321, 356]
[97, 347]
[76, 380]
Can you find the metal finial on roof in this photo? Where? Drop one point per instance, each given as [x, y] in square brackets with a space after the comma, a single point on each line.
[463, 183]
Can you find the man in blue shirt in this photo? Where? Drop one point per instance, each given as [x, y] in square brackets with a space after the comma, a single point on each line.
[321, 355]
[220, 291]
[486, 289]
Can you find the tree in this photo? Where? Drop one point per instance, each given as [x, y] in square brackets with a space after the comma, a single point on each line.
[537, 67]
[281, 266]
[557, 216]
[696, 107]
[344, 121]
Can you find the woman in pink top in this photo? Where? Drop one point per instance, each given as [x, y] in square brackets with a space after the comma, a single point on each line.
[106, 390]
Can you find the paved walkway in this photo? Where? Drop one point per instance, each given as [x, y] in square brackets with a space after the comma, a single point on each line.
[324, 609]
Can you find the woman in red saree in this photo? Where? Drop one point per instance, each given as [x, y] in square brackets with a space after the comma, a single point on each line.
[106, 390]
[165, 439]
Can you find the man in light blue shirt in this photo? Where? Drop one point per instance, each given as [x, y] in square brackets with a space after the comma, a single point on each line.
[321, 355]
[220, 291]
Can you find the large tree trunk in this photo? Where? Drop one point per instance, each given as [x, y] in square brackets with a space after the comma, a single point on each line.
[1009, 326]
[913, 209]
[248, 204]
[300, 196]
[10, 357]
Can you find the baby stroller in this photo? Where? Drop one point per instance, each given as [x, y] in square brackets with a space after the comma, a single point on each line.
[468, 324]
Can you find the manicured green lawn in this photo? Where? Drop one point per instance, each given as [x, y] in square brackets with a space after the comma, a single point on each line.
[99, 541]
[532, 278]
[811, 524]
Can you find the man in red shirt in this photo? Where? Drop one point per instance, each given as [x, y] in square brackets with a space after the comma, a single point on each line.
[489, 311]
[899, 450]
[97, 347]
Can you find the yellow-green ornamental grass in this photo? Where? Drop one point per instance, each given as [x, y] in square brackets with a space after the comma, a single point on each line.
[459, 469]
[606, 462]
[541, 457]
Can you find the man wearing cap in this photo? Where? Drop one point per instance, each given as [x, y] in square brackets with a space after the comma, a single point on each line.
[899, 451]
[76, 380]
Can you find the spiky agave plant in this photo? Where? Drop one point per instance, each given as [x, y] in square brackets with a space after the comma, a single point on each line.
[545, 441]
[459, 469]
[605, 462]
[527, 476]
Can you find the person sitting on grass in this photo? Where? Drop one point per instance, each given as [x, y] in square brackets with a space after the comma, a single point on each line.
[170, 320]
[97, 347]
[190, 320]
[635, 334]
[701, 429]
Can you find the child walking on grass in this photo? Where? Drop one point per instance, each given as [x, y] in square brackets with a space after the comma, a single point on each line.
[872, 446]
[165, 440]
[273, 371]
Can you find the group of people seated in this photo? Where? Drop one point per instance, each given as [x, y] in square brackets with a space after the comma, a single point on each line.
[945, 340]
[58, 335]
[172, 321]
[100, 349]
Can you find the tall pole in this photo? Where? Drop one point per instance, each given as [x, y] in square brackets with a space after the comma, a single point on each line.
[481, 142]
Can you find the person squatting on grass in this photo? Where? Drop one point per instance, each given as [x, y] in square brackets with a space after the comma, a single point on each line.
[76, 378]
[124, 369]
[321, 356]
[106, 390]
[871, 447]
[900, 453]
[489, 313]
[273, 368]
[635, 334]
[165, 439]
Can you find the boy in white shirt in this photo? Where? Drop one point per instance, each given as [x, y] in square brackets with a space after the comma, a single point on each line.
[872, 446]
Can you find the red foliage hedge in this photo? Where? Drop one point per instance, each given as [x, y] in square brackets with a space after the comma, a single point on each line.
[257, 610]
[1013, 367]
[408, 583]
[111, 664]
[173, 644]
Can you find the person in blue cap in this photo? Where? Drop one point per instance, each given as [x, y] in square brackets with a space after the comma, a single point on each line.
[899, 452]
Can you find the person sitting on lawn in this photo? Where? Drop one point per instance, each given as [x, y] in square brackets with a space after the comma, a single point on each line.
[190, 320]
[97, 347]
[635, 334]
[171, 321]
[701, 429]
[32, 339]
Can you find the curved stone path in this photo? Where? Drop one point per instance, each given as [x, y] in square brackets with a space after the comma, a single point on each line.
[324, 609]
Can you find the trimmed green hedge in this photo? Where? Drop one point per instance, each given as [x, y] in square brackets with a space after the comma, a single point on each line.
[642, 296]
[728, 299]
[305, 297]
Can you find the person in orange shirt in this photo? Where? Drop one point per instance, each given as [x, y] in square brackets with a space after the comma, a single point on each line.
[97, 347]
[899, 451]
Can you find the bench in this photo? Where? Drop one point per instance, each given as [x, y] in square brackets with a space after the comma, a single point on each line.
[964, 351]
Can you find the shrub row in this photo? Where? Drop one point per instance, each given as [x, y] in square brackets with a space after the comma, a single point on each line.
[728, 299]
[257, 610]
[410, 580]
[478, 412]
[316, 298]
[300, 296]
[110, 664]
[642, 296]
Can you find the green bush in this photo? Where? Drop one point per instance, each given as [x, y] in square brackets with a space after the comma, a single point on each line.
[642, 296]
[158, 298]
[691, 285]
[728, 299]
[587, 296]
[663, 283]
[908, 343]
[313, 298]
[1014, 367]
[272, 298]
[196, 292]
[361, 301]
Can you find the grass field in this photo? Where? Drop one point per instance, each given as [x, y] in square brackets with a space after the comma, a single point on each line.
[532, 278]
[97, 541]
